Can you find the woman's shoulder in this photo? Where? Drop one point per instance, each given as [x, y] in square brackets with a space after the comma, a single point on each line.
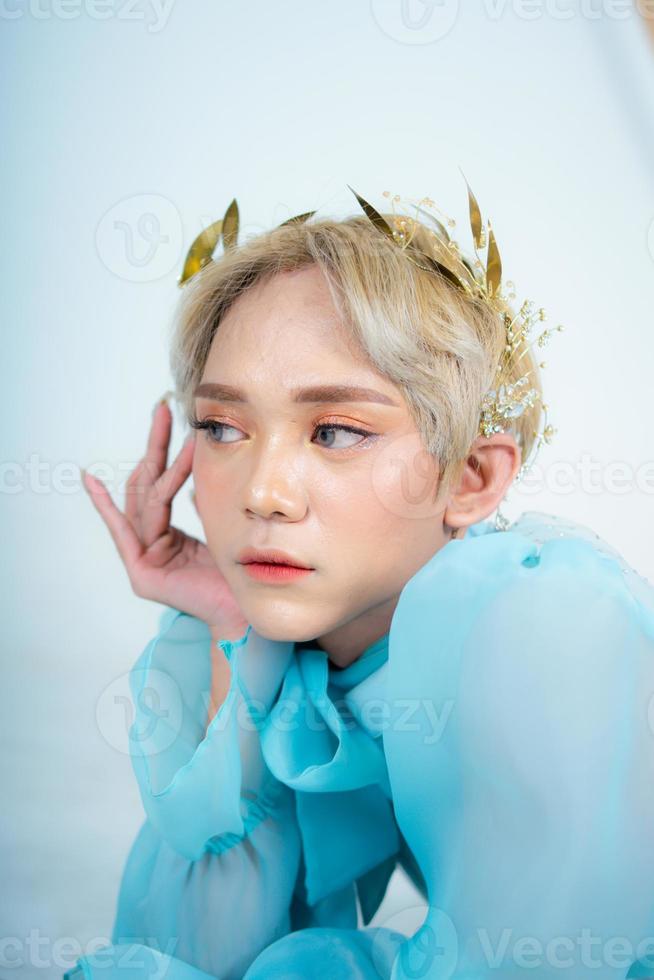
[559, 552]
[544, 576]
[542, 621]
[568, 545]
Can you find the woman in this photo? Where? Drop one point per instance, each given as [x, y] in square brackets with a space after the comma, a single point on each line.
[358, 669]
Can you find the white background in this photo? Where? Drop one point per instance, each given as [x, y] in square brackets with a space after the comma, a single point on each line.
[171, 112]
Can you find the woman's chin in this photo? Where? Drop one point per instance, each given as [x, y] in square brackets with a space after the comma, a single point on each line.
[284, 629]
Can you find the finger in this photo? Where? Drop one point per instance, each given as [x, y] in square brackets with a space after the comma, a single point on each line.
[154, 518]
[175, 476]
[155, 461]
[134, 494]
[152, 465]
[156, 453]
[124, 537]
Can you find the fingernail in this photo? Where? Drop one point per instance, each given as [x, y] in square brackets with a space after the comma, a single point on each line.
[164, 399]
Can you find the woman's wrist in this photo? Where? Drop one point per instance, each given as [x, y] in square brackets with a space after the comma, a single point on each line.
[225, 632]
[220, 668]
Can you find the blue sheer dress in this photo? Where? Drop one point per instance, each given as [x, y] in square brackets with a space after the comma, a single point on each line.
[497, 743]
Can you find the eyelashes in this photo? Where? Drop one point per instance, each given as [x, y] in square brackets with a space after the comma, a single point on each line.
[336, 427]
[209, 426]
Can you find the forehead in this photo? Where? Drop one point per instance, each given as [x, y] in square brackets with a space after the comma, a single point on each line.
[290, 317]
[285, 338]
[300, 290]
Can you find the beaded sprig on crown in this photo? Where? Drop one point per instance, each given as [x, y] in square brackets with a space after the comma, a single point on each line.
[479, 277]
[510, 395]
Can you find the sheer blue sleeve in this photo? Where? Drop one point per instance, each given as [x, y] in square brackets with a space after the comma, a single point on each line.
[196, 784]
[209, 880]
[525, 783]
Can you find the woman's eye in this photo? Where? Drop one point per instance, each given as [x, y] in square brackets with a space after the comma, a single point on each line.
[330, 436]
[220, 427]
[343, 430]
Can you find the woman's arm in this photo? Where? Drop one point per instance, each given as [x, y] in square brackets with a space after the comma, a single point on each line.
[218, 912]
[531, 809]
[193, 776]
[210, 877]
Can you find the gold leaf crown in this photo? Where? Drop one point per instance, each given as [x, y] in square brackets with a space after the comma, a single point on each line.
[482, 279]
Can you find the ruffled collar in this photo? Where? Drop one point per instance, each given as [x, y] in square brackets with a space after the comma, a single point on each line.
[321, 738]
[347, 677]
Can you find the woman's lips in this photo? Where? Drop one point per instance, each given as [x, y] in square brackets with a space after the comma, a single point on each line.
[267, 572]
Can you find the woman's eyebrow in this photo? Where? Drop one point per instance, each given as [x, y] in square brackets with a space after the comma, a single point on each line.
[317, 394]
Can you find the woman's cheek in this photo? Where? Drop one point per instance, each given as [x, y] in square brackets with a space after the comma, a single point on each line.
[210, 486]
[404, 479]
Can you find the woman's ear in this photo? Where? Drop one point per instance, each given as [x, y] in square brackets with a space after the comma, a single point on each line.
[489, 471]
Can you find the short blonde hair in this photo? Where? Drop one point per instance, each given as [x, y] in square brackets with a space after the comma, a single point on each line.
[437, 344]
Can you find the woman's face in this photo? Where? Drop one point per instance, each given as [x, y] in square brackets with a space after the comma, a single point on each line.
[274, 470]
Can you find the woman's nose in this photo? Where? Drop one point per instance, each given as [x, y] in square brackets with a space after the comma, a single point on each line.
[275, 488]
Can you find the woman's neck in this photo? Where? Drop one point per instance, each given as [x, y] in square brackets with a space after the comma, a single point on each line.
[346, 643]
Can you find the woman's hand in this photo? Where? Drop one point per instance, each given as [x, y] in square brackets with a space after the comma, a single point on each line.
[163, 563]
